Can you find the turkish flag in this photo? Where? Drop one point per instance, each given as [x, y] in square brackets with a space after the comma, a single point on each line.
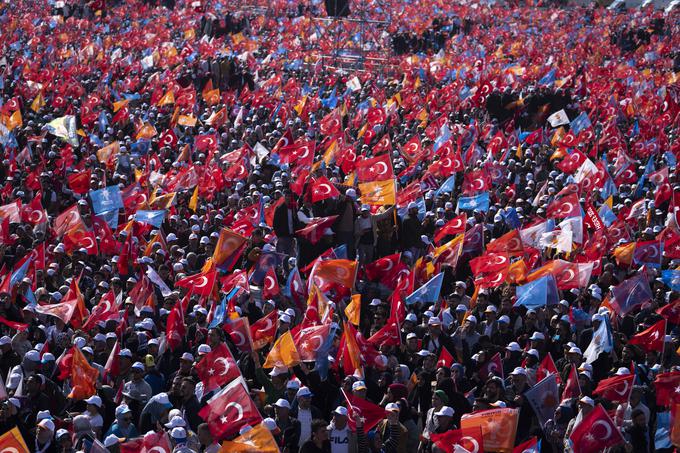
[596, 432]
[239, 333]
[651, 339]
[67, 220]
[79, 182]
[616, 389]
[384, 145]
[229, 410]
[381, 266]
[572, 389]
[451, 228]
[489, 263]
[201, 283]
[375, 169]
[33, 212]
[671, 311]
[167, 138]
[270, 285]
[476, 181]
[13, 441]
[106, 309]
[77, 238]
[648, 252]
[175, 330]
[372, 413]
[322, 189]
[567, 206]
[205, 142]
[572, 162]
[263, 330]
[445, 358]
[301, 152]
[217, 367]
[413, 149]
[493, 367]
[497, 144]
[151, 443]
[314, 230]
[309, 340]
[388, 335]
[112, 365]
[667, 386]
[471, 439]
[546, 368]
[510, 242]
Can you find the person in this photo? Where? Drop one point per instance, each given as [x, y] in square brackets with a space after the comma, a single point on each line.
[286, 224]
[208, 443]
[318, 442]
[44, 438]
[340, 436]
[123, 426]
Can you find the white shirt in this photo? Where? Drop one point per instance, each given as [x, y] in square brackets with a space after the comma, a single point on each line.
[339, 439]
[305, 418]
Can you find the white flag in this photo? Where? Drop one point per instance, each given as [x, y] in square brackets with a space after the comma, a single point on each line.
[558, 118]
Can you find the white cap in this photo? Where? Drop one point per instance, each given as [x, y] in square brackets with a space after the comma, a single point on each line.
[411, 317]
[94, 400]
[303, 392]
[504, 319]
[411, 335]
[5, 340]
[176, 422]
[269, 423]
[293, 384]
[471, 318]
[125, 353]
[375, 302]
[187, 356]
[340, 410]
[111, 440]
[278, 370]
[358, 385]
[178, 433]
[392, 407]
[536, 336]
[587, 400]
[100, 337]
[534, 353]
[519, 371]
[284, 318]
[575, 350]
[47, 424]
[282, 403]
[445, 411]
[513, 346]
[204, 349]
[33, 355]
[623, 371]
[434, 321]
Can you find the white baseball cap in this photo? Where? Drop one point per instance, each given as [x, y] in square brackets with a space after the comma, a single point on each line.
[445, 411]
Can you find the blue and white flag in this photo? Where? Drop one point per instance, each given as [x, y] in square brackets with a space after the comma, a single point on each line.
[106, 199]
[428, 293]
[154, 218]
[478, 202]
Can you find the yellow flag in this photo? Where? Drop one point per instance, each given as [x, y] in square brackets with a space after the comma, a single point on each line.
[104, 154]
[38, 102]
[212, 97]
[609, 201]
[624, 253]
[256, 440]
[15, 120]
[283, 353]
[13, 441]
[167, 99]
[353, 309]
[146, 132]
[119, 105]
[379, 193]
[186, 120]
[193, 203]
[164, 201]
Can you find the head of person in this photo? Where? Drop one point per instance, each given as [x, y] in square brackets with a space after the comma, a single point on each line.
[319, 431]
[45, 431]
[282, 408]
[304, 398]
[340, 417]
[204, 436]
[188, 388]
[359, 389]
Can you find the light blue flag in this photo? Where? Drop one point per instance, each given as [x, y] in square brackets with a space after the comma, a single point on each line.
[602, 341]
[662, 436]
[607, 215]
[443, 137]
[428, 293]
[447, 186]
[221, 311]
[549, 78]
[580, 123]
[340, 252]
[20, 273]
[671, 278]
[533, 294]
[478, 202]
[511, 218]
[154, 218]
[106, 199]
[322, 362]
[110, 217]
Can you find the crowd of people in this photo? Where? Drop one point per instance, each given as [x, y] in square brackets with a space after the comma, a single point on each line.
[211, 241]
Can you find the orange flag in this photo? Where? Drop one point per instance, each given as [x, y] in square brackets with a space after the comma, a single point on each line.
[342, 272]
[499, 427]
[227, 244]
[675, 424]
[257, 440]
[83, 377]
[379, 193]
[624, 253]
[283, 353]
[353, 309]
[13, 441]
[517, 272]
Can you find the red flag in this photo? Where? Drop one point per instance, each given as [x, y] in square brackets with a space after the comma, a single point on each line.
[201, 283]
[510, 242]
[375, 169]
[648, 252]
[151, 442]
[239, 332]
[112, 366]
[33, 212]
[388, 335]
[19, 326]
[493, 367]
[381, 266]
[309, 340]
[217, 367]
[270, 285]
[322, 189]
[314, 230]
[572, 389]
[671, 312]
[445, 359]
[106, 309]
[77, 238]
[175, 330]
[372, 413]
[489, 263]
[651, 339]
[476, 181]
[546, 368]
[567, 206]
[263, 330]
[79, 182]
[572, 162]
[229, 410]
[596, 432]
[616, 389]
[451, 228]
[667, 386]
[471, 439]
[530, 446]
